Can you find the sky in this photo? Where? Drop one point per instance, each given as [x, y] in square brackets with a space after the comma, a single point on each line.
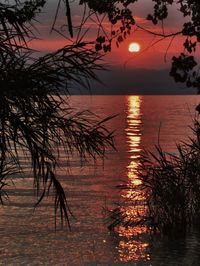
[145, 72]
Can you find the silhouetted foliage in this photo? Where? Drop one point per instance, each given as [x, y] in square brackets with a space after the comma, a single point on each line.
[35, 120]
[168, 190]
[122, 18]
[32, 119]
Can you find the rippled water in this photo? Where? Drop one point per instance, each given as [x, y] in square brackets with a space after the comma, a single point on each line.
[28, 236]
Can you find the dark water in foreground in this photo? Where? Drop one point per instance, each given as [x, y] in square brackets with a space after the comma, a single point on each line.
[28, 236]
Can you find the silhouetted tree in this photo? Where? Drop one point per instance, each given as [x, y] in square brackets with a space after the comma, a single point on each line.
[34, 117]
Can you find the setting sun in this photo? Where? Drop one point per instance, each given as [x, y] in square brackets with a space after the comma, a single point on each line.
[134, 47]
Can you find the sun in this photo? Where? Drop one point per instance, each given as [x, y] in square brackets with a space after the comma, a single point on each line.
[134, 47]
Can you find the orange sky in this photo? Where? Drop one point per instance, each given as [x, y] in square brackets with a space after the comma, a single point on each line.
[153, 54]
[154, 51]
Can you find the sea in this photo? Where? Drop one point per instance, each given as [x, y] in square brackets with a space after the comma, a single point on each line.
[92, 187]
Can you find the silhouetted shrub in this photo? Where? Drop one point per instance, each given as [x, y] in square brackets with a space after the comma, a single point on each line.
[169, 189]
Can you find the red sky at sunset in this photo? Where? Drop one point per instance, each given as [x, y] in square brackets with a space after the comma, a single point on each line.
[151, 56]
[155, 53]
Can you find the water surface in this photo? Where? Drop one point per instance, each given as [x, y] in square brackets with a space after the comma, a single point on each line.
[28, 236]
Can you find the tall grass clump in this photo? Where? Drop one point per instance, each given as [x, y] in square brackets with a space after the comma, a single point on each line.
[170, 189]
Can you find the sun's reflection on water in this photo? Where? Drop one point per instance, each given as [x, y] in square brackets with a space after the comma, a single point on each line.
[133, 133]
[132, 247]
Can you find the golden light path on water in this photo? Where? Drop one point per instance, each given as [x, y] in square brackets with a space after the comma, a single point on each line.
[132, 247]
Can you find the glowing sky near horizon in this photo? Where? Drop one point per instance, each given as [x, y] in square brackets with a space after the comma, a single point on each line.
[155, 53]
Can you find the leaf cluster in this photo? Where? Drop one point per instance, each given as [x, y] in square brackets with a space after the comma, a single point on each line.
[191, 31]
[119, 16]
